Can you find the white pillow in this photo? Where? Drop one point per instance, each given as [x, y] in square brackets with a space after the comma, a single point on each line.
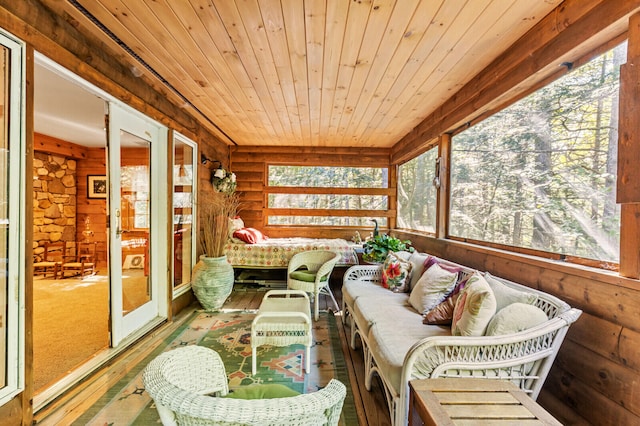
[417, 259]
[506, 295]
[475, 307]
[515, 318]
[432, 288]
[235, 224]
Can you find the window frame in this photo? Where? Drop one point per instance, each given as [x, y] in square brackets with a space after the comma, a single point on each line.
[389, 192]
[437, 175]
[178, 137]
[442, 229]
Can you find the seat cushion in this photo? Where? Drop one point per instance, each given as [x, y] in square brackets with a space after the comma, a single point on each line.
[390, 340]
[262, 391]
[367, 310]
[351, 290]
[306, 276]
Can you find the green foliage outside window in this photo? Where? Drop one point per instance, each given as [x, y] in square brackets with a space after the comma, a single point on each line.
[541, 174]
[309, 177]
[416, 194]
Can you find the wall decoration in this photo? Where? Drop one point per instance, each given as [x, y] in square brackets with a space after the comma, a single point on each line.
[96, 186]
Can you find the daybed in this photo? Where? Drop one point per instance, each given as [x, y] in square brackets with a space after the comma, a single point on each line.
[250, 248]
[276, 252]
[399, 347]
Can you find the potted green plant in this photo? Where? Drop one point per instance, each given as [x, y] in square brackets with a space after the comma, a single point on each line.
[375, 249]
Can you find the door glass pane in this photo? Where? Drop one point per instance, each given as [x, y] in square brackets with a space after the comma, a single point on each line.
[182, 212]
[4, 216]
[135, 208]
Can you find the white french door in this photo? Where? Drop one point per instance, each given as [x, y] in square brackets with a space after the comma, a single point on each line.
[137, 209]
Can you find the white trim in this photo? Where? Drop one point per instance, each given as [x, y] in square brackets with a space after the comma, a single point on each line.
[135, 123]
[179, 291]
[15, 320]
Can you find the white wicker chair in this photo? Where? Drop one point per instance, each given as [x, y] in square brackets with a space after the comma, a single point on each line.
[318, 265]
[185, 382]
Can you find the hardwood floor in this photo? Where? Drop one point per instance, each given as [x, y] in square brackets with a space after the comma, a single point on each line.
[370, 406]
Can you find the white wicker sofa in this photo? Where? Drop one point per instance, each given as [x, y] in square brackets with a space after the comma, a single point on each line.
[399, 347]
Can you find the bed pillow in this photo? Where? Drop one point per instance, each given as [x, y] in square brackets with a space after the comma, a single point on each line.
[396, 273]
[432, 288]
[235, 224]
[474, 308]
[506, 295]
[250, 235]
[515, 318]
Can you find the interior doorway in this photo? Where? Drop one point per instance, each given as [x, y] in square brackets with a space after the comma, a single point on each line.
[71, 274]
[96, 285]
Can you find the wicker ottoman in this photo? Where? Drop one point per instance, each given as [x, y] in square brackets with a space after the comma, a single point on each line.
[283, 319]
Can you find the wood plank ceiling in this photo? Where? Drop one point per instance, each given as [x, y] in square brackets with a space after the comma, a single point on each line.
[357, 73]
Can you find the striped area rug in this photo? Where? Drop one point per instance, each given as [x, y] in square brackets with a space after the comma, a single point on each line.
[229, 334]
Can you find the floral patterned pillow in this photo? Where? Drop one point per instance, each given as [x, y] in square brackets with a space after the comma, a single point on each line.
[474, 308]
[396, 273]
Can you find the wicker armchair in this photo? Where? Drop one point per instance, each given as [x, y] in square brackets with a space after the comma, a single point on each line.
[185, 382]
[310, 271]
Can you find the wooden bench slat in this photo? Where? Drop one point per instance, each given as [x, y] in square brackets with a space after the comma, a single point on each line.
[476, 398]
[488, 412]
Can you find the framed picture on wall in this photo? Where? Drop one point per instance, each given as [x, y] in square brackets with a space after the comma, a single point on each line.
[96, 186]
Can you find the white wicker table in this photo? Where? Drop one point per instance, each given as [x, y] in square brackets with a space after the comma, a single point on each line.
[283, 319]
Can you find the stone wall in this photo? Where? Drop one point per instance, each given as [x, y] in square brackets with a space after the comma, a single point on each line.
[54, 201]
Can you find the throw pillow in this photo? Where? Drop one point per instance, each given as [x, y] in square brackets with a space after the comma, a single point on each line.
[417, 260]
[250, 235]
[396, 273]
[266, 391]
[515, 318]
[443, 313]
[506, 295]
[474, 308]
[432, 288]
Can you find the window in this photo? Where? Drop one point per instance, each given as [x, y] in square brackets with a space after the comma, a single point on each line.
[184, 158]
[417, 196]
[541, 174]
[327, 196]
[12, 193]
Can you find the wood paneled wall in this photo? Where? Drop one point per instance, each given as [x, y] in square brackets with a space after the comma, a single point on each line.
[95, 209]
[250, 165]
[597, 371]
